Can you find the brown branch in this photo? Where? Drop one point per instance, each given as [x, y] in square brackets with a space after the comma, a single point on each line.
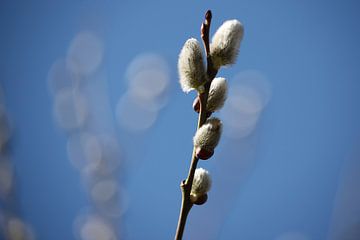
[186, 185]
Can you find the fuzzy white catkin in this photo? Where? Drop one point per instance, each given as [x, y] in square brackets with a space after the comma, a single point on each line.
[201, 183]
[208, 135]
[191, 66]
[217, 94]
[225, 44]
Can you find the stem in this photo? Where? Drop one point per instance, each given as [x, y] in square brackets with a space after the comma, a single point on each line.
[186, 185]
[186, 205]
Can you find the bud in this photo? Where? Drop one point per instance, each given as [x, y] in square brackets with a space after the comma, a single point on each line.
[226, 43]
[203, 153]
[201, 183]
[191, 66]
[196, 104]
[208, 135]
[196, 107]
[217, 95]
[199, 200]
[216, 98]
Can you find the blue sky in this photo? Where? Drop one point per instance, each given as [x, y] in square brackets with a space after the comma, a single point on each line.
[285, 180]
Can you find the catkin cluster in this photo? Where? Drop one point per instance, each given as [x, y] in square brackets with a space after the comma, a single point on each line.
[224, 49]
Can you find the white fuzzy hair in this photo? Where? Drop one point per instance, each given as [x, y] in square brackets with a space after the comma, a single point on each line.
[225, 44]
[191, 66]
[201, 183]
[217, 94]
[208, 135]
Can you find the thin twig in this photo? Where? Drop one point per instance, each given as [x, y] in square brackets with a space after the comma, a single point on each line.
[186, 185]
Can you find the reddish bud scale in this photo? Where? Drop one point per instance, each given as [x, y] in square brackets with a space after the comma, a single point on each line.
[196, 104]
[203, 153]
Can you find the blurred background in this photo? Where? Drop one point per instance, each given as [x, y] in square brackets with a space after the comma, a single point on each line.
[96, 134]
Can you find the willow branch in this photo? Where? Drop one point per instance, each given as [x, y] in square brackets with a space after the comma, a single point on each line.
[186, 185]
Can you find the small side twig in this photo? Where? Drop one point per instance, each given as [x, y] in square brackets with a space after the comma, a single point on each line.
[186, 185]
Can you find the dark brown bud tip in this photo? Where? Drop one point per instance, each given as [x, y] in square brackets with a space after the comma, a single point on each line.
[203, 153]
[208, 15]
[196, 104]
[201, 199]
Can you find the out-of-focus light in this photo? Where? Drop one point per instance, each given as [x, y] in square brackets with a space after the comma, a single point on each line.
[70, 108]
[248, 95]
[6, 176]
[117, 205]
[18, 230]
[154, 104]
[257, 81]
[112, 209]
[84, 148]
[246, 99]
[149, 83]
[292, 236]
[112, 151]
[151, 63]
[59, 77]
[85, 53]
[241, 112]
[148, 79]
[105, 166]
[92, 172]
[95, 228]
[148, 75]
[104, 190]
[132, 116]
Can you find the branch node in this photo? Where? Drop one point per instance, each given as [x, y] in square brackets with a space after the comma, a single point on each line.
[183, 183]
